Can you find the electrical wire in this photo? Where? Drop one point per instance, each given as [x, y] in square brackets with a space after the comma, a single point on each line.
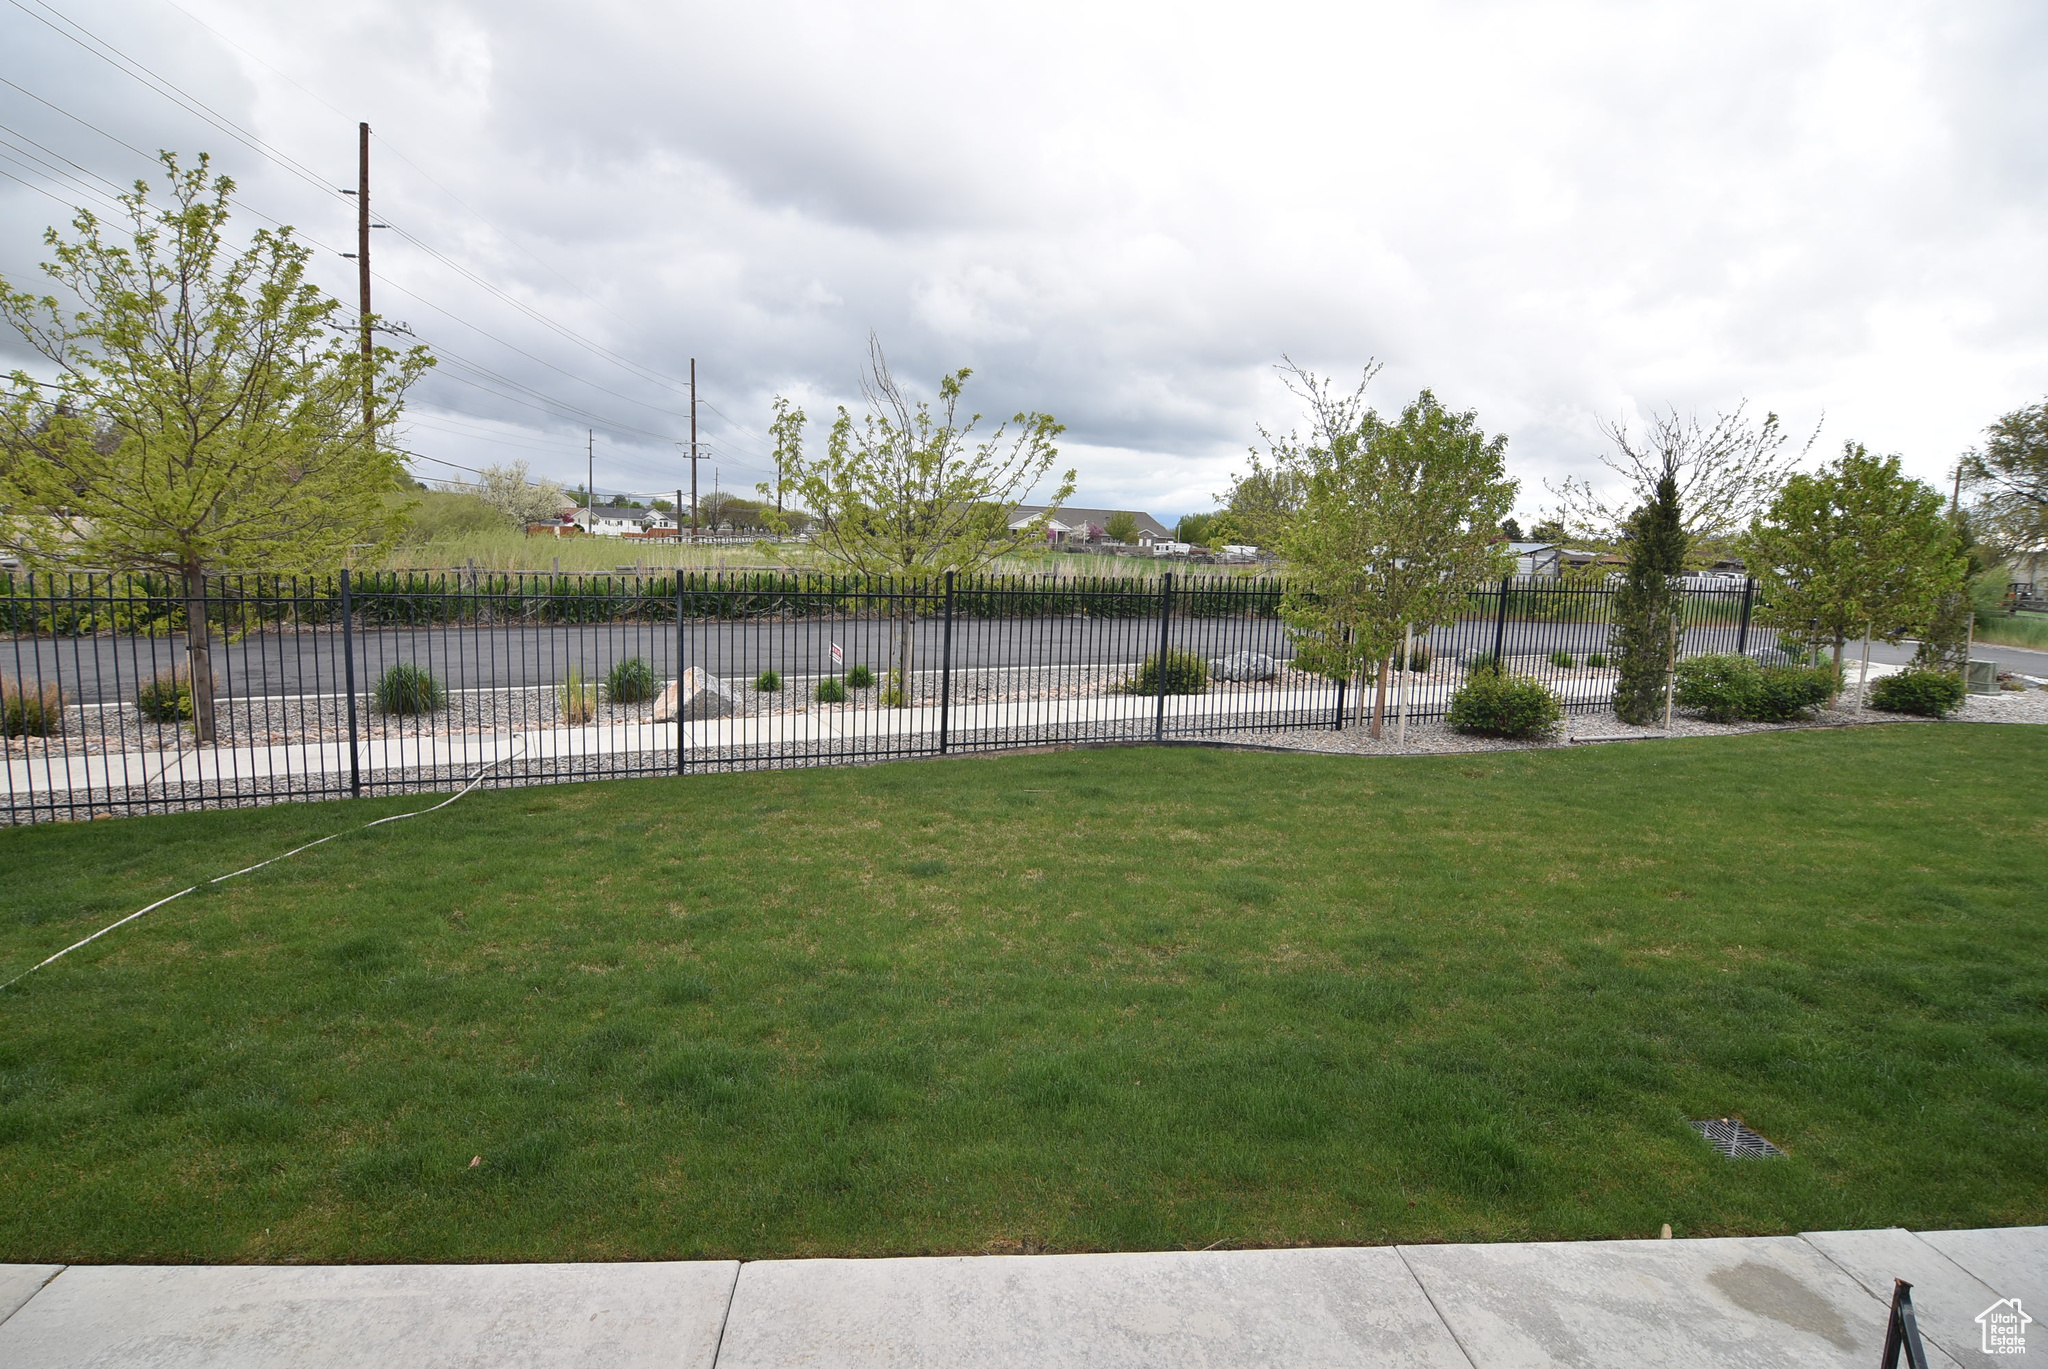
[476, 779]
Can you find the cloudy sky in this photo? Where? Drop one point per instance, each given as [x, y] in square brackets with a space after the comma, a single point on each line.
[1121, 214]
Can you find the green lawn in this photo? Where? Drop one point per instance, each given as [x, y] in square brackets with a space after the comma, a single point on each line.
[1075, 1001]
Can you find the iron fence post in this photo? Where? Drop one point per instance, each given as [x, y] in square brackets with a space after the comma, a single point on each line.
[946, 671]
[348, 672]
[682, 761]
[1742, 634]
[1159, 661]
[1500, 627]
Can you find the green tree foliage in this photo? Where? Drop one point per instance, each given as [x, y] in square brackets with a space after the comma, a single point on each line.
[1854, 549]
[1646, 607]
[1397, 520]
[2009, 477]
[1198, 529]
[1260, 502]
[1121, 527]
[204, 411]
[908, 491]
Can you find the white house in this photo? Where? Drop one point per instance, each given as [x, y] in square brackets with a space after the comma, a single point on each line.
[616, 520]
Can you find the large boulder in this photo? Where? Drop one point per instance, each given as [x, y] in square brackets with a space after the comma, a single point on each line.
[1244, 665]
[696, 697]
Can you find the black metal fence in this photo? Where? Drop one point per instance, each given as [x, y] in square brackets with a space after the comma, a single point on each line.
[380, 683]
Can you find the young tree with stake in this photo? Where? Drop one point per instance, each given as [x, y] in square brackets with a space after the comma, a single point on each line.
[206, 409]
[1856, 549]
[1396, 521]
[908, 493]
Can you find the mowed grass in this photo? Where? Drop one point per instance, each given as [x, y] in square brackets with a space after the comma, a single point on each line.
[1088, 1000]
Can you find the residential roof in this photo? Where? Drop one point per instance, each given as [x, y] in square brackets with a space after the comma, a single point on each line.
[626, 511]
[1074, 517]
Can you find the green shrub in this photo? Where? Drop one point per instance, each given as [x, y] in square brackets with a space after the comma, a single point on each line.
[632, 681]
[895, 696]
[1923, 693]
[1482, 663]
[1491, 704]
[1596, 660]
[167, 698]
[578, 699]
[1721, 688]
[408, 689]
[768, 682]
[1787, 693]
[1183, 672]
[1728, 688]
[1417, 660]
[831, 691]
[1563, 659]
[30, 710]
[860, 677]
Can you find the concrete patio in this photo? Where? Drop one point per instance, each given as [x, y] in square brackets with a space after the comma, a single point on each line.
[1817, 1299]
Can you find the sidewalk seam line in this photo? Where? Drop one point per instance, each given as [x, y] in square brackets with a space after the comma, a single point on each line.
[33, 1296]
[1430, 1298]
[725, 1317]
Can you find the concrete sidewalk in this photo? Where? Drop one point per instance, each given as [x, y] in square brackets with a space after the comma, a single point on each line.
[1818, 1299]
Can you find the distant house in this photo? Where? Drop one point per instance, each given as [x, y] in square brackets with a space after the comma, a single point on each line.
[615, 519]
[1536, 558]
[1086, 527]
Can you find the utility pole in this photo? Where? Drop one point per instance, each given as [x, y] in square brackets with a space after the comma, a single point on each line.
[693, 449]
[590, 480]
[363, 280]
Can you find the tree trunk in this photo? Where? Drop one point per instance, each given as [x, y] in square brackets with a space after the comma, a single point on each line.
[1379, 695]
[905, 649]
[199, 656]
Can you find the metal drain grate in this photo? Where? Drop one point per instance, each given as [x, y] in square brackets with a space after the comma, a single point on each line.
[1735, 1140]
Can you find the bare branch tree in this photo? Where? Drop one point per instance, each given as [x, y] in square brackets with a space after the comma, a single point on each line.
[1727, 472]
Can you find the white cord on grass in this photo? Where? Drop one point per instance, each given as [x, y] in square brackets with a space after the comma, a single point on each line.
[474, 780]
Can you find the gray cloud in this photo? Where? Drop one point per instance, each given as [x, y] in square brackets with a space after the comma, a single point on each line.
[1124, 215]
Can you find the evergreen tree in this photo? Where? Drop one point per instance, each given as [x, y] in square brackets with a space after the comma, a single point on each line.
[1647, 606]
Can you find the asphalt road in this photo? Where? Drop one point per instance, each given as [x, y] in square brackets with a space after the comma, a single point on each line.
[107, 669]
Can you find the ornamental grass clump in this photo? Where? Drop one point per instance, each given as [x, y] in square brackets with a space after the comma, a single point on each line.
[1171, 672]
[860, 677]
[1563, 659]
[632, 681]
[1922, 693]
[830, 690]
[768, 682]
[165, 698]
[1514, 707]
[578, 699]
[30, 710]
[408, 690]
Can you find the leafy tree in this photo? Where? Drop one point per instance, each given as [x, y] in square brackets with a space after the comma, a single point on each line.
[512, 492]
[1197, 529]
[1396, 521]
[1511, 530]
[1855, 549]
[2009, 477]
[1260, 502]
[908, 492]
[1121, 527]
[1647, 605]
[206, 412]
[1726, 473]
